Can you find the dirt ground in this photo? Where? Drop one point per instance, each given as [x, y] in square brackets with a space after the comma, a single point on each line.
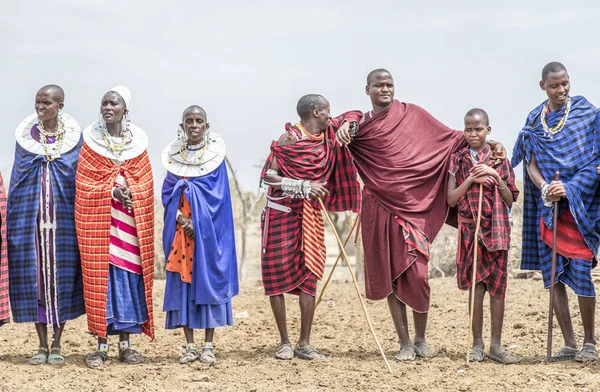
[245, 351]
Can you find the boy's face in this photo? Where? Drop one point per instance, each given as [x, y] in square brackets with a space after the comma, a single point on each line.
[476, 131]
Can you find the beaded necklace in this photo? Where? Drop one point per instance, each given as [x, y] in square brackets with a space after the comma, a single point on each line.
[317, 138]
[52, 152]
[185, 150]
[553, 131]
[117, 147]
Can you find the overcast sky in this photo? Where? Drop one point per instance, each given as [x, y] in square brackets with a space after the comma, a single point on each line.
[248, 62]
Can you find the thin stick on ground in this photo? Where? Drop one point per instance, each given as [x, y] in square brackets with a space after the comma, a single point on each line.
[474, 274]
[552, 278]
[339, 256]
[364, 307]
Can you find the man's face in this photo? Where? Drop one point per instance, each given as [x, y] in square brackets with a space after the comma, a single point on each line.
[557, 87]
[194, 124]
[476, 131]
[381, 89]
[323, 116]
[47, 104]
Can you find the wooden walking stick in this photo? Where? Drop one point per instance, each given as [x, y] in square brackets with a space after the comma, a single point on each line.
[474, 275]
[364, 307]
[339, 256]
[552, 277]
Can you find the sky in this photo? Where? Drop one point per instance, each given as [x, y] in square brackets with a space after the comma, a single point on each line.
[248, 62]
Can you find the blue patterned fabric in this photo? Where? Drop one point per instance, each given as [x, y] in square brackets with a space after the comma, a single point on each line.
[575, 152]
[23, 206]
[214, 274]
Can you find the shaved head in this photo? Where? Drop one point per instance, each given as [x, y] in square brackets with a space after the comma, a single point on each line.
[54, 90]
[552, 67]
[478, 112]
[375, 72]
[192, 109]
[308, 103]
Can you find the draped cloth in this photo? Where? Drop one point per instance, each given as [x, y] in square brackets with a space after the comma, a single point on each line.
[96, 175]
[575, 152]
[402, 156]
[214, 275]
[4, 315]
[293, 241]
[23, 214]
[494, 234]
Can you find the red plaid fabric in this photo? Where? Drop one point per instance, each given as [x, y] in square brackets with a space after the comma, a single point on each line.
[494, 234]
[94, 183]
[4, 315]
[293, 255]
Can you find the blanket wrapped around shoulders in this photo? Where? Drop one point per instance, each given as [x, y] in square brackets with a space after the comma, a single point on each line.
[95, 178]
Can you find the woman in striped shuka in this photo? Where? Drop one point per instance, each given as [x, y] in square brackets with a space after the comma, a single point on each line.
[114, 216]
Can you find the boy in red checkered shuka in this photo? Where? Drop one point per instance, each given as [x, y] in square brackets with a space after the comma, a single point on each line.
[469, 167]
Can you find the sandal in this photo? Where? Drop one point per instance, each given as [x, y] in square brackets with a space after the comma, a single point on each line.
[476, 355]
[407, 353]
[39, 358]
[504, 358]
[207, 355]
[55, 358]
[564, 354]
[285, 352]
[309, 353]
[96, 360]
[587, 354]
[423, 350]
[191, 354]
[130, 356]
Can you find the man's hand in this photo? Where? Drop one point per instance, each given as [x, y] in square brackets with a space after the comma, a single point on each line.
[499, 152]
[343, 134]
[556, 191]
[318, 190]
[123, 195]
[187, 225]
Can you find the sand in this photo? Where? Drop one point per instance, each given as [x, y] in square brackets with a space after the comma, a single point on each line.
[246, 362]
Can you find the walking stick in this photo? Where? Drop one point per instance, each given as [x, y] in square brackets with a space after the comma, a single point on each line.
[552, 277]
[474, 275]
[364, 307]
[339, 256]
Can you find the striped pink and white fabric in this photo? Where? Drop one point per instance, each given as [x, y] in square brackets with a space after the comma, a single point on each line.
[124, 244]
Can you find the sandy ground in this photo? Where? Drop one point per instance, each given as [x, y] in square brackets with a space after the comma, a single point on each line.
[245, 352]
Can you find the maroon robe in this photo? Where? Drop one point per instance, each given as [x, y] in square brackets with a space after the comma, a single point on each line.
[402, 156]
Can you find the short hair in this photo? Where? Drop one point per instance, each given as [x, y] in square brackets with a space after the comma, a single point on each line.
[193, 108]
[308, 103]
[55, 89]
[554, 66]
[478, 112]
[374, 72]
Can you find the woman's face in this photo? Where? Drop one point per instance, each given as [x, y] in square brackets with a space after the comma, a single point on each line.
[112, 108]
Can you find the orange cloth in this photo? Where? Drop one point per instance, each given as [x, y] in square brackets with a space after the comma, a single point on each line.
[181, 258]
[569, 240]
[313, 239]
[94, 183]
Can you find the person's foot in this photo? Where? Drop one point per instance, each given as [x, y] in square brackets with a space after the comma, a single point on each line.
[564, 354]
[422, 349]
[587, 354]
[55, 358]
[285, 352]
[407, 353]
[310, 353]
[129, 355]
[191, 354]
[96, 360]
[476, 354]
[207, 355]
[39, 358]
[502, 356]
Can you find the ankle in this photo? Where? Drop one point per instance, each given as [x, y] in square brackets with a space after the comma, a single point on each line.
[124, 345]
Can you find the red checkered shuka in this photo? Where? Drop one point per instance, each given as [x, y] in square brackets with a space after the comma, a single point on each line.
[94, 183]
[4, 311]
[293, 246]
[494, 234]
